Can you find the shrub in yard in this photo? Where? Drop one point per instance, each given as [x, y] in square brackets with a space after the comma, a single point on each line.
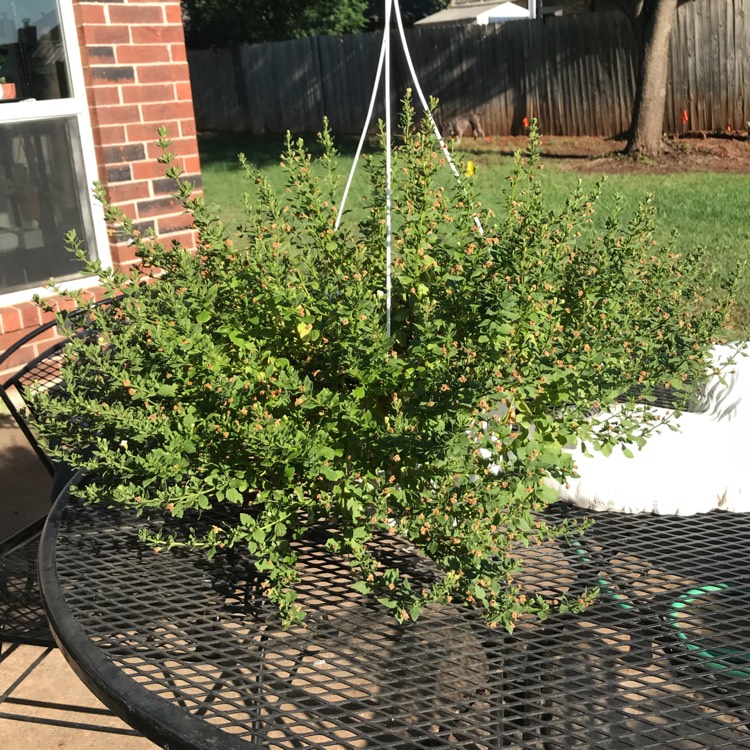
[256, 373]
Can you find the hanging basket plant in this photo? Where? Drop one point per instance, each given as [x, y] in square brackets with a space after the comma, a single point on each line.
[256, 373]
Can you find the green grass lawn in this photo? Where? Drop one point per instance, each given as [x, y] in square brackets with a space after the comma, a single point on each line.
[707, 209]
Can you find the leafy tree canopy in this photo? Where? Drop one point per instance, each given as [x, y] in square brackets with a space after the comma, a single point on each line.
[218, 23]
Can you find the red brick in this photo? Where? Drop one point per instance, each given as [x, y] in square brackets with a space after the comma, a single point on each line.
[129, 152]
[128, 208]
[191, 163]
[156, 34]
[22, 356]
[147, 170]
[118, 173]
[87, 13]
[10, 320]
[166, 111]
[110, 135]
[31, 315]
[8, 339]
[179, 53]
[183, 91]
[179, 146]
[103, 95]
[187, 127]
[102, 55]
[162, 73]
[173, 13]
[155, 92]
[110, 74]
[186, 239]
[149, 131]
[142, 53]
[132, 14]
[129, 191]
[121, 115]
[158, 207]
[123, 255]
[167, 186]
[59, 303]
[105, 35]
[175, 223]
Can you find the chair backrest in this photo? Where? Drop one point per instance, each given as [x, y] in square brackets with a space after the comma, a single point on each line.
[44, 369]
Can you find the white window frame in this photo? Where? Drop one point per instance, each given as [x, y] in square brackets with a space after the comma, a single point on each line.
[76, 107]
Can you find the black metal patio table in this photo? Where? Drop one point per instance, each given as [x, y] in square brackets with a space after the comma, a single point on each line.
[190, 653]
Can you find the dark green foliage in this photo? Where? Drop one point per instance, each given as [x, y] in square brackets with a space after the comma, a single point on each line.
[257, 373]
[216, 23]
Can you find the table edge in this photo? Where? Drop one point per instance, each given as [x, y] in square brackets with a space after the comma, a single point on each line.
[120, 693]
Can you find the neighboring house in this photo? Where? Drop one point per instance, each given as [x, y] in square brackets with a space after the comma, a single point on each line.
[471, 11]
[479, 13]
[93, 82]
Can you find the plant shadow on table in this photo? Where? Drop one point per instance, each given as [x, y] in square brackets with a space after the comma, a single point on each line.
[447, 678]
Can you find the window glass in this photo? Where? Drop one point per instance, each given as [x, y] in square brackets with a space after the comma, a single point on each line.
[41, 198]
[32, 53]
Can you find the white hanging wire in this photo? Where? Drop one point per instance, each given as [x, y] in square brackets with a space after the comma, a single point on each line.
[362, 137]
[388, 164]
[426, 107]
[384, 63]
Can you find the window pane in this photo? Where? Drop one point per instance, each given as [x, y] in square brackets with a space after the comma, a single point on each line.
[41, 198]
[32, 54]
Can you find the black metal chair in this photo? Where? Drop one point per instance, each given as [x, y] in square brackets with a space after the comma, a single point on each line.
[22, 617]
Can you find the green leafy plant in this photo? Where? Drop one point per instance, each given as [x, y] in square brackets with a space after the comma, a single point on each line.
[255, 375]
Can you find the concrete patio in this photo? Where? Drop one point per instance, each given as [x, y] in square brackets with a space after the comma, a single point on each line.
[37, 688]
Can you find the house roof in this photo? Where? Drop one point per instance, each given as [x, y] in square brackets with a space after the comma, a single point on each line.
[477, 13]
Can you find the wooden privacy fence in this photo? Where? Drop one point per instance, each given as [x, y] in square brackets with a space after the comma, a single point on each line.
[575, 73]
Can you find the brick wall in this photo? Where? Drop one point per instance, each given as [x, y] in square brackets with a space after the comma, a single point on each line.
[137, 79]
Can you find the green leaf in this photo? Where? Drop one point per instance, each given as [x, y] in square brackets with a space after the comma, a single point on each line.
[233, 495]
[388, 603]
[259, 535]
[303, 329]
[415, 611]
[331, 474]
[362, 587]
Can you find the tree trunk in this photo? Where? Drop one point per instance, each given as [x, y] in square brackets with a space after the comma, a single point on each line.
[655, 23]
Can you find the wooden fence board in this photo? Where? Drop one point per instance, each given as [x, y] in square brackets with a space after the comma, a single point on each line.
[215, 92]
[575, 73]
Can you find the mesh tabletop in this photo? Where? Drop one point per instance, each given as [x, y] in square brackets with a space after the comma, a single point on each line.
[189, 652]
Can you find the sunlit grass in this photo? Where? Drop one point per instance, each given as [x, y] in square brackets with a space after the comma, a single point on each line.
[706, 209]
